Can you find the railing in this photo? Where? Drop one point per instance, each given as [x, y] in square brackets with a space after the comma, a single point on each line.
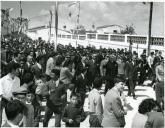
[120, 38]
[157, 41]
[63, 36]
[137, 39]
[69, 36]
[82, 37]
[134, 39]
[102, 37]
[74, 37]
[91, 36]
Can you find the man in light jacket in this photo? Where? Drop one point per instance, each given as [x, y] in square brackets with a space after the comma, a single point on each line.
[113, 110]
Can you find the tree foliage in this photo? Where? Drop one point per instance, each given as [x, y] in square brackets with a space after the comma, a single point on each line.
[129, 29]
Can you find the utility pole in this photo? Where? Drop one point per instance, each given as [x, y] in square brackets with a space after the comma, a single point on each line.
[50, 24]
[150, 27]
[20, 3]
[78, 19]
[56, 25]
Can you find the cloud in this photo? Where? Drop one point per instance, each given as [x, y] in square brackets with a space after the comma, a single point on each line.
[106, 13]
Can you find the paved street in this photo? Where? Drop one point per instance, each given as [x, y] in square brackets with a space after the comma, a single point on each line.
[142, 92]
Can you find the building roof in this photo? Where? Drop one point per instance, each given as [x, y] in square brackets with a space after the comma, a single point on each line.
[44, 27]
[106, 26]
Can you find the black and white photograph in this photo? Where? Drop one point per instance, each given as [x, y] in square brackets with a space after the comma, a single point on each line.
[82, 63]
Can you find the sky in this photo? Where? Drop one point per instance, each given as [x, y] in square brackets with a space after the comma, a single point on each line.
[98, 13]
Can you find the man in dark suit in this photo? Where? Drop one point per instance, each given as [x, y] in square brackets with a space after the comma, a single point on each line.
[91, 71]
[80, 66]
[80, 86]
[25, 68]
[143, 68]
[56, 92]
[111, 73]
[131, 76]
[14, 112]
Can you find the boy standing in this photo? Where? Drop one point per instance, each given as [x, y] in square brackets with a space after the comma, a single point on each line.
[95, 104]
[73, 114]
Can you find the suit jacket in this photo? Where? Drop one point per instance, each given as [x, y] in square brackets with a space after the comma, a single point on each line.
[113, 115]
[111, 70]
[36, 70]
[79, 68]
[57, 96]
[131, 70]
[143, 66]
[92, 70]
[155, 120]
[25, 69]
[65, 75]
[80, 84]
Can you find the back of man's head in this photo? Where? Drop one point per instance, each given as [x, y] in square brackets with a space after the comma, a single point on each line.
[14, 108]
[12, 66]
[97, 83]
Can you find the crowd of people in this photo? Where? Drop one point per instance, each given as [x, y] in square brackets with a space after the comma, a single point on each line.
[31, 72]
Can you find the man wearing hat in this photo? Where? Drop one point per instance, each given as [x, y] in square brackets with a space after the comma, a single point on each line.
[28, 118]
[20, 93]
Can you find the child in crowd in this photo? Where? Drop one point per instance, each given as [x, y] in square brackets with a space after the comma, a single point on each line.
[30, 116]
[73, 114]
[40, 85]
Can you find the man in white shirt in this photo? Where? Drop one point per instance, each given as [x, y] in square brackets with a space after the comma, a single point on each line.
[8, 84]
[95, 104]
[150, 61]
[50, 64]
